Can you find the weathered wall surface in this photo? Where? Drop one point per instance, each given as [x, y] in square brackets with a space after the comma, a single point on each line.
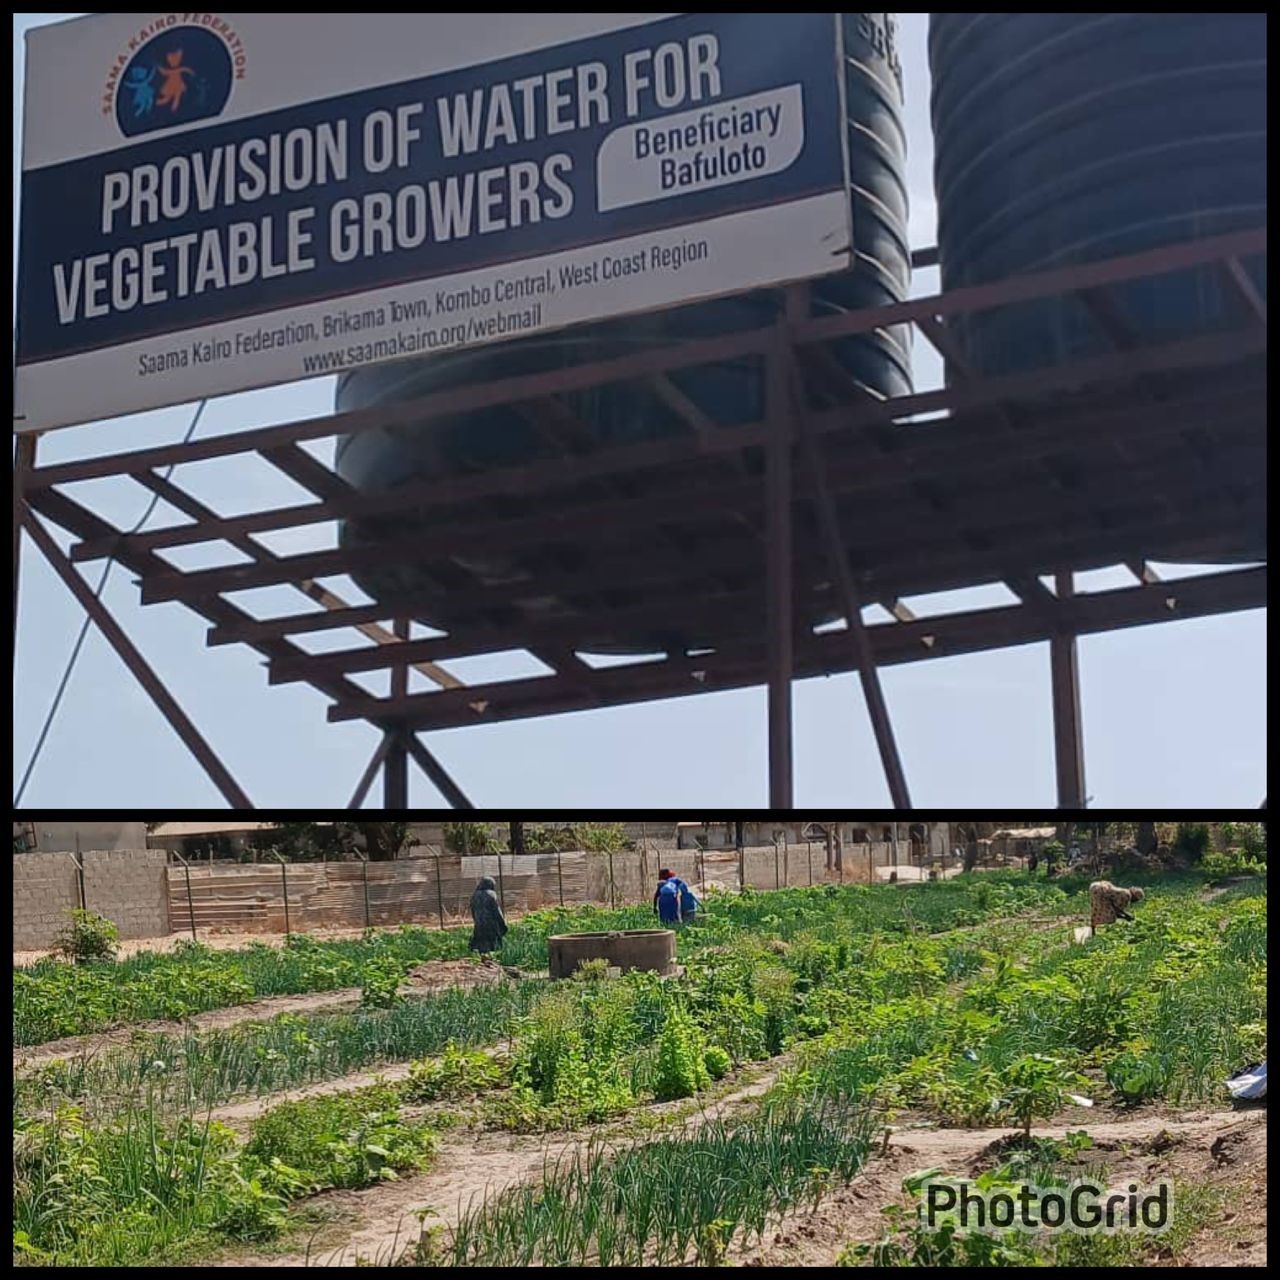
[128, 886]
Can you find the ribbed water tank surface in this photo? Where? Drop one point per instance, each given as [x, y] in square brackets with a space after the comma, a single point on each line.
[1062, 138]
[729, 394]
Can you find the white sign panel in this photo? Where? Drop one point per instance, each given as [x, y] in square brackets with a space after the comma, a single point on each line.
[212, 202]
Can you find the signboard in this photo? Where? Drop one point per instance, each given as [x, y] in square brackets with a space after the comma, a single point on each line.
[212, 202]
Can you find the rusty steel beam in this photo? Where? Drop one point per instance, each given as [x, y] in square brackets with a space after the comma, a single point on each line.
[437, 773]
[304, 470]
[371, 770]
[1068, 731]
[894, 643]
[643, 364]
[900, 562]
[140, 669]
[332, 602]
[1039, 284]
[931, 567]
[174, 584]
[838, 561]
[966, 435]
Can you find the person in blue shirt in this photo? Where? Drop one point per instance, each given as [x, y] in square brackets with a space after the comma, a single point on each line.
[688, 901]
[667, 903]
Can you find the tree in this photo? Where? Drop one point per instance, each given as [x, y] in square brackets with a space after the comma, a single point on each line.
[382, 840]
[517, 838]
[1145, 840]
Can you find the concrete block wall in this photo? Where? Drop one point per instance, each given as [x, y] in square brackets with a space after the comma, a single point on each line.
[130, 888]
[127, 886]
[45, 888]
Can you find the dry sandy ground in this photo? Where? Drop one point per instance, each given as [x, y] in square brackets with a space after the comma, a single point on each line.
[432, 976]
[1224, 1148]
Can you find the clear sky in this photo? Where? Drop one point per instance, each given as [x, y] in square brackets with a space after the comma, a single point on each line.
[1173, 715]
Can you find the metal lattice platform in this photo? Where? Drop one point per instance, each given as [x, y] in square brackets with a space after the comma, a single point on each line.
[833, 501]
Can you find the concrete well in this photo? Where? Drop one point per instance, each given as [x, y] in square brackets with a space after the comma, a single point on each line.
[653, 949]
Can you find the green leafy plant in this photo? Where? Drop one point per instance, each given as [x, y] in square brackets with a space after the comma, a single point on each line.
[88, 936]
[717, 1062]
[1037, 1086]
[380, 982]
[682, 1068]
[457, 1073]
[343, 1140]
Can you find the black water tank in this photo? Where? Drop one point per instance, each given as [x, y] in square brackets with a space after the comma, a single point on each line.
[1066, 137]
[729, 394]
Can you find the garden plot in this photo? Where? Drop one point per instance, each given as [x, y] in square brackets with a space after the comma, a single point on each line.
[805, 1022]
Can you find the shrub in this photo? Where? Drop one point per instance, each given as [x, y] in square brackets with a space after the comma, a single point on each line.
[1192, 840]
[717, 1062]
[88, 936]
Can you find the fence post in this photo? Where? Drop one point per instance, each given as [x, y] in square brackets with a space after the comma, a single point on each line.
[777, 882]
[364, 876]
[502, 895]
[742, 868]
[702, 869]
[191, 906]
[79, 860]
[809, 845]
[284, 880]
[560, 876]
[439, 891]
[613, 898]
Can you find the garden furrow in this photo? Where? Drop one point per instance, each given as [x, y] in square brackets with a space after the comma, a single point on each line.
[426, 979]
[473, 1166]
[216, 1019]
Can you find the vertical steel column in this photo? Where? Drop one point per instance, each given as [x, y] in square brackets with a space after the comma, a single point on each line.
[778, 585]
[395, 769]
[1068, 735]
[850, 598]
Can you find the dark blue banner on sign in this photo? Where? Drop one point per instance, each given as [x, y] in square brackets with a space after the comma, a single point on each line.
[663, 124]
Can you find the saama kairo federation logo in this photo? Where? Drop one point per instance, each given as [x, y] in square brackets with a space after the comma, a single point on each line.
[180, 74]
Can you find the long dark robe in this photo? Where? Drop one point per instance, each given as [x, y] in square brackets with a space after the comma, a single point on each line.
[486, 911]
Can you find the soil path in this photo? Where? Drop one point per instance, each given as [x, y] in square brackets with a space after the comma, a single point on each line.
[426, 979]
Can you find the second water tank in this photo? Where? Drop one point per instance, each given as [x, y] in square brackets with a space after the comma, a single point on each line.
[1070, 137]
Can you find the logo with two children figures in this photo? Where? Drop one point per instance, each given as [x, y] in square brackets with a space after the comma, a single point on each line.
[179, 76]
